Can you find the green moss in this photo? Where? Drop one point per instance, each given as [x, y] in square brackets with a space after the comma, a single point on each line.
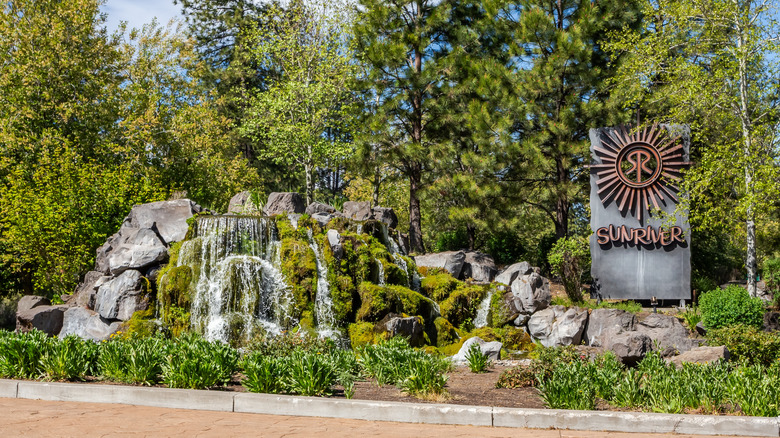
[439, 286]
[486, 334]
[378, 301]
[454, 348]
[498, 315]
[395, 275]
[427, 272]
[517, 339]
[140, 325]
[462, 303]
[446, 333]
[299, 266]
[364, 333]
[174, 294]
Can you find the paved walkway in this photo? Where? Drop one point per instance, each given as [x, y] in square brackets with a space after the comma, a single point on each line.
[35, 418]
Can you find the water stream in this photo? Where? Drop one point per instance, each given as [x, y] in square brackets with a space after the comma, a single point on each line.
[323, 304]
[483, 310]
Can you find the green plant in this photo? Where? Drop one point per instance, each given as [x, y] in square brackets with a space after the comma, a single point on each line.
[193, 362]
[569, 387]
[20, 354]
[517, 377]
[476, 359]
[691, 316]
[310, 374]
[134, 360]
[747, 344]
[265, 374]
[69, 358]
[771, 275]
[570, 259]
[730, 306]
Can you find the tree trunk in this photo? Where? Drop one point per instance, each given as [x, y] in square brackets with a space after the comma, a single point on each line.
[308, 168]
[750, 225]
[562, 204]
[377, 183]
[471, 232]
[415, 218]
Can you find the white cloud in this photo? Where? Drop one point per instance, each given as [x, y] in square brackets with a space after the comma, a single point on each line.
[139, 12]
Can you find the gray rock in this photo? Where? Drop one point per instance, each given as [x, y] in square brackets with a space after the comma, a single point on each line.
[334, 240]
[322, 218]
[451, 261]
[86, 291]
[28, 302]
[385, 215]
[136, 248]
[47, 319]
[170, 218]
[701, 355]
[410, 328]
[601, 320]
[120, 297]
[87, 324]
[102, 253]
[242, 203]
[284, 202]
[557, 326]
[479, 267]
[318, 207]
[491, 349]
[771, 322]
[629, 346]
[359, 211]
[531, 293]
[667, 333]
[508, 275]
[700, 329]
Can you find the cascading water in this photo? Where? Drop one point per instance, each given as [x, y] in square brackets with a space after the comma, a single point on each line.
[395, 252]
[483, 310]
[381, 272]
[238, 286]
[323, 304]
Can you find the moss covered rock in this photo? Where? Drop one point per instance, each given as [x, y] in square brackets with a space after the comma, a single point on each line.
[174, 294]
[364, 333]
[446, 333]
[377, 301]
[462, 303]
[439, 286]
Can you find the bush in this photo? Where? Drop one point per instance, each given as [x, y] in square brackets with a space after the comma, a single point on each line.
[747, 344]
[20, 354]
[731, 306]
[265, 374]
[570, 260]
[136, 360]
[193, 362]
[70, 358]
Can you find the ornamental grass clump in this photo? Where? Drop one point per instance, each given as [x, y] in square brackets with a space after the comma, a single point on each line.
[136, 361]
[193, 362]
[20, 354]
[477, 360]
[70, 358]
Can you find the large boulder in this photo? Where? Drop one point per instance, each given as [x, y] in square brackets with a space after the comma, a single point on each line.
[136, 248]
[87, 324]
[28, 302]
[530, 294]
[667, 333]
[322, 218]
[45, 318]
[410, 328]
[334, 240]
[557, 326]
[86, 291]
[451, 261]
[359, 211]
[479, 267]
[318, 207]
[508, 275]
[607, 322]
[170, 218]
[491, 349]
[385, 215]
[701, 355]
[242, 203]
[284, 202]
[122, 296]
[629, 346]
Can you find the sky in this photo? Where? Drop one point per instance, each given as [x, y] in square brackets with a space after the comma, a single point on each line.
[139, 12]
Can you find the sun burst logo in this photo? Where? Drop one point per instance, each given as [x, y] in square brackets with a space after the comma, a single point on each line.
[638, 169]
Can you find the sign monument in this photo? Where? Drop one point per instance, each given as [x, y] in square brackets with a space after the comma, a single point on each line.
[637, 254]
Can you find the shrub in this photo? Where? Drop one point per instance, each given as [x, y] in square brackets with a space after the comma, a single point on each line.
[691, 317]
[136, 360]
[517, 377]
[476, 359]
[731, 306]
[310, 374]
[70, 358]
[570, 259]
[192, 362]
[265, 374]
[747, 344]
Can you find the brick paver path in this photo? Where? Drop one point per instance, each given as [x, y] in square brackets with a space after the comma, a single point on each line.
[36, 418]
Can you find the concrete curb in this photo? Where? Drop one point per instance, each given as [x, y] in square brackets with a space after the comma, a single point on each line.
[394, 411]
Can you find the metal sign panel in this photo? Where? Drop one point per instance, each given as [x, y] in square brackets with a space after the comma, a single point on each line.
[634, 173]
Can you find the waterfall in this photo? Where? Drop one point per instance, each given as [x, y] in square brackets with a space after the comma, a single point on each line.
[323, 304]
[482, 311]
[381, 273]
[238, 286]
[413, 279]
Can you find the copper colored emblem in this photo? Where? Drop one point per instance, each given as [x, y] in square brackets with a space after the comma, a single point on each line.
[637, 169]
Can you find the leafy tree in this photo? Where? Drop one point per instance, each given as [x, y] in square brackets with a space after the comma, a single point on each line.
[714, 65]
[402, 43]
[304, 116]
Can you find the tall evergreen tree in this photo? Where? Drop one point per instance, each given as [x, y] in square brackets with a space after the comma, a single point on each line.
[402, 44]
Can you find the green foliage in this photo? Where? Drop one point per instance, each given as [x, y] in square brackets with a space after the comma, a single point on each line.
[446, 333]
[377, 301]
[462, 303]
[771, 275]
[570, 260]
[133, 360]
[627, 305]
[395, 362]
[691, 316]
[193, 362]
[310, 374]
[174, 294]
[747, 344]
[477, 361]
[142, 324]
[264, 374]
[438, 286]
[20, 354]
[364, 333]
[566, 389]
[730, 306]
[69, 358]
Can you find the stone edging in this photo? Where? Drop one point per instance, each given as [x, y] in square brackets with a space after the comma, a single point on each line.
[393, 411]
